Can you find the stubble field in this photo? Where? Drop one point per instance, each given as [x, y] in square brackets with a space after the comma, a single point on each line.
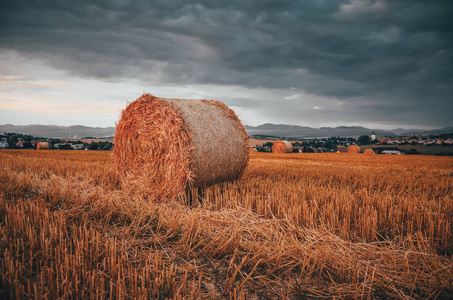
[294, 226]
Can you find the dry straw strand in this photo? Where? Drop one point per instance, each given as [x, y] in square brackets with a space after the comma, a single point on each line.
[165, 146]
[282, 147]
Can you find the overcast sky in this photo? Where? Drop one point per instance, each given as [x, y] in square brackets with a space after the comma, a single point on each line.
[381, 64]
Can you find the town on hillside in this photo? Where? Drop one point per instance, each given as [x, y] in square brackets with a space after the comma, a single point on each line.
[21, 141]
[432, 144]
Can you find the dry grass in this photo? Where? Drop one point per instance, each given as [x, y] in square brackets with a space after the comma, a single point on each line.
[294, 226]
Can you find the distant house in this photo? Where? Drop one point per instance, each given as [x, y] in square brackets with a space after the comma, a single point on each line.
[391, 152]
[448, 141]
[385, 140]
[3, 143]
[20, 144]
[77, 146]
[430, 142]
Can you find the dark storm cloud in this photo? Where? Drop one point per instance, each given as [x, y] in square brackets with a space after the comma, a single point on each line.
[386, 60]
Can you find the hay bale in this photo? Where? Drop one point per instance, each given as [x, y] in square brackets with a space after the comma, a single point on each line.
[164, 146]
[354, 149]
[252, 150]
[42, 146]
[282, 147]
[368, 151]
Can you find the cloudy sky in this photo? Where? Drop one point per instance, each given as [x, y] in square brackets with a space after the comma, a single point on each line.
[374, 63]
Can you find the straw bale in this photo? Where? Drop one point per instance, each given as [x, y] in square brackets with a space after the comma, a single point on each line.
[354, 149]
[252, 150]
[368, 151]
[165, 146]
[282, 147]
[42, 146]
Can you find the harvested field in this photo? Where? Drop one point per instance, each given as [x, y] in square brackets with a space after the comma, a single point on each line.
[292, 227]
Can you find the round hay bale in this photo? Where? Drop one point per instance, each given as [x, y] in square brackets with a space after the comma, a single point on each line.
[282, 147]
[354, 149]
[368, 151]
[164, 146]
[42, 146]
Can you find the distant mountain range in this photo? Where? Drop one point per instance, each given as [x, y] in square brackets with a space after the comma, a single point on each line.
[60, 132]
[281, 130]
[277, 130]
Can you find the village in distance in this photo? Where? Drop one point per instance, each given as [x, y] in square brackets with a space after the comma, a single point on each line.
[425, 143]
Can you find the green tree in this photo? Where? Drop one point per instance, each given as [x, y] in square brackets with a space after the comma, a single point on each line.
[364, 140]
[12, 140]
[93, 146]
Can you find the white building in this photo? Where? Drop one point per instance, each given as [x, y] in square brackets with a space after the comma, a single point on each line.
[77, 146]
[3, 143]
[391, 152]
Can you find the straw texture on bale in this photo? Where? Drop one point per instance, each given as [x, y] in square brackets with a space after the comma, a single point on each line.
[282, 147]
[368, 151]
[42, 146]
[354, 149]
[165, 146]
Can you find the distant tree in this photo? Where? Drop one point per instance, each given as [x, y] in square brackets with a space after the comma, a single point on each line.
[105, 146]
[28, 145]
[12, 140]
[93, 146]
[308, 150]
[364, 140]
